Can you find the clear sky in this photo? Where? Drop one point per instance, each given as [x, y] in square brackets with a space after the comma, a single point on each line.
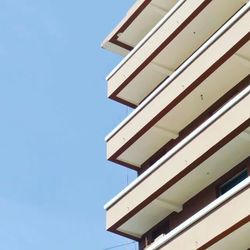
[54, 115]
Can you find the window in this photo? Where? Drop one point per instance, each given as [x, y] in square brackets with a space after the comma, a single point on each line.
[232, 182]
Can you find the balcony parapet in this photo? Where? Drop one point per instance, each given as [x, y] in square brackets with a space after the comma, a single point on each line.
[188, 93]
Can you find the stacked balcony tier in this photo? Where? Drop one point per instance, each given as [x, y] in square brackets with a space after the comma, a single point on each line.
[176, 37]
[209, 78]
[188, 77]
[207, 153]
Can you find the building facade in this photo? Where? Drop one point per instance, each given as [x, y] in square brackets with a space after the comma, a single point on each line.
[186, 73]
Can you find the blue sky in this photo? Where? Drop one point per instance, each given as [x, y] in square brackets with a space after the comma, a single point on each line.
[54, 114]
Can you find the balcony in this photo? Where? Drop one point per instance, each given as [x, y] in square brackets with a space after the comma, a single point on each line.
[201, 230]
[140, 19]
[206, 154]
[175, 38]
[195, 90]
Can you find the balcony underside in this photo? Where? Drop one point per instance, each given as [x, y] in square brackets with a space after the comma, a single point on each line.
[180, 175]
[215, 76]
[164, 50]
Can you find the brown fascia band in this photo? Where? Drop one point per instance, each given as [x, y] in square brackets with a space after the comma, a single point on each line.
[155, 53]
[178, 177]
[177, 100]
[114, 38]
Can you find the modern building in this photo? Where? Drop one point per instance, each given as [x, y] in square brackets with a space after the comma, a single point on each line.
[186, 73]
